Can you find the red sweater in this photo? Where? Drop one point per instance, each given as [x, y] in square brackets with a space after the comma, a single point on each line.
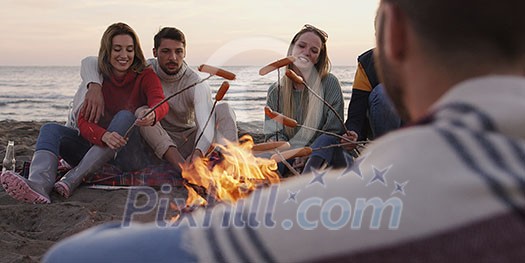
[128, 93]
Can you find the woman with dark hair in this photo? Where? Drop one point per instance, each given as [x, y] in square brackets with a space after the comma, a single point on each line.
[294, 100]
[130, 88]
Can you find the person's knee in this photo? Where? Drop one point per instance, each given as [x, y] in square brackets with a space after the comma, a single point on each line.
[223, 110]
[225, 121]
[50, 128]
[123, 118]
[325, 140]
[49, 137]
[377, 95]
[124, 115]
[121, 122]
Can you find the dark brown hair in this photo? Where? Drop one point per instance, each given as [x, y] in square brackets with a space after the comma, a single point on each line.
[169, 33]
[487, 28]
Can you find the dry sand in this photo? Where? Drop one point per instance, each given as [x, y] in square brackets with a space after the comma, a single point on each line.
[27, 231]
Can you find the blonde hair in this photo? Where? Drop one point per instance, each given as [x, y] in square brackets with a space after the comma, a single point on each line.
[106, 43]
[313, 115]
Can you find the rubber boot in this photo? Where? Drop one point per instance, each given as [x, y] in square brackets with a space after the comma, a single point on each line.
[95, 158]
[37, 187]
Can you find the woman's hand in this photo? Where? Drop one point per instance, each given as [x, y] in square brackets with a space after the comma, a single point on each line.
[114, 140]
[148, 120]
[352, 136]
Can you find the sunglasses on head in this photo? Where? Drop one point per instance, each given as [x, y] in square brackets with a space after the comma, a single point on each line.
[319, 31]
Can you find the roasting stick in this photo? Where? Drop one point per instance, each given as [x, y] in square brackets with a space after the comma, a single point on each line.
[218, 97]
[299, 80]
[339, 145]
[285, 162]
[271, 67]
[278, 156]
[275, 147]
[284, 156]
[213, 71]
[270, 146]
[293, 153]
[166, 99]
[293, 123]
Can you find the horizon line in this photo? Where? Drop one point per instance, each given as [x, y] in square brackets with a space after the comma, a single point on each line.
[189, 65]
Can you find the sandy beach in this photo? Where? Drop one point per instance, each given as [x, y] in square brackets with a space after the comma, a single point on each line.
[27, 231]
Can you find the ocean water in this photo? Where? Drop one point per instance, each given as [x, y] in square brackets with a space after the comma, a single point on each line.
[45, 93]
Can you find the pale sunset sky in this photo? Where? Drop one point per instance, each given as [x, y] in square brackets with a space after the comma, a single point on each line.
[236, 32]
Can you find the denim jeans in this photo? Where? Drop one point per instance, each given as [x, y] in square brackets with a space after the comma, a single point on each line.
[67, 143]
[382, 113]
[334, 156]
[112, 243]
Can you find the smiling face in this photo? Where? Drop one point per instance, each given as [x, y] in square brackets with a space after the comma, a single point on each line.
[122, 54]
[307, 49]
[170, 54]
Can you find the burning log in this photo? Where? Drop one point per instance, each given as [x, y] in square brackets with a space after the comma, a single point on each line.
[227, 174]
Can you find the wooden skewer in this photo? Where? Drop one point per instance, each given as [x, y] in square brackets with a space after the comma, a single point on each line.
[287, 121]
[218, 97]
[286, 163]
[166, 99]
[299, 80]
[299, 152]
[213, 71]
[203, 68]
[268, 146]
[340, 144]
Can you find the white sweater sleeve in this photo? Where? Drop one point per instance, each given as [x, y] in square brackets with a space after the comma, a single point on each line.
[88, 73]
[203, 105]
[89, 70]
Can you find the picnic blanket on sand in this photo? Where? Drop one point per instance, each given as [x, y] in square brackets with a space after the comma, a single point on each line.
[154, 175]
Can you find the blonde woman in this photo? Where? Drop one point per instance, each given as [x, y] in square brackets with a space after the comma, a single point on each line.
[308, 46]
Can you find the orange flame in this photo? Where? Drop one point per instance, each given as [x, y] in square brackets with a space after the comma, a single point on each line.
[194, 199]
[235, 175]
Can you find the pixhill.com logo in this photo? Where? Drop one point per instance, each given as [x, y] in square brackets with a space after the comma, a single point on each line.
[308, 202]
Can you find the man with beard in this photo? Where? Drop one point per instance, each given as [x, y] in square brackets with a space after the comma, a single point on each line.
[449, 187]
[174, 138]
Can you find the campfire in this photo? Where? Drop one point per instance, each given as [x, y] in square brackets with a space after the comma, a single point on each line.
[227, 174]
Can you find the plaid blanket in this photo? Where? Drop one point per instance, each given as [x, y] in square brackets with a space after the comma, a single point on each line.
[151, 176]
[111, 175]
